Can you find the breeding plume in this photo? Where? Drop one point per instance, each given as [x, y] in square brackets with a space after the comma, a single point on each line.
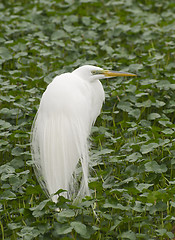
[59, 142]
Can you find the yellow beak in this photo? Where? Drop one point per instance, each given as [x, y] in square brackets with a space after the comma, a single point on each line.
[109, 73]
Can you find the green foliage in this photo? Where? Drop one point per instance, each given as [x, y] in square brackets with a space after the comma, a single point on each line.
[133, 186]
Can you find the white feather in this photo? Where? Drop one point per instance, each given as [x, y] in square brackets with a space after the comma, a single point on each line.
[59, 143]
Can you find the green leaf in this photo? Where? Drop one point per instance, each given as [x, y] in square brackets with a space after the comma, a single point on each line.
[133, 157]
[135, 67]
[153, 116]
[40, 206]
[145, 104]
[143, 186]
[172, 204]
[135, 113]
[165, 123]
[28, 233]
[5, 54]
[116, 206]
[159, 104]
[164, 84]
[148, 148]
[59, 34]
[153, 166]
[17, 151]
[14, 226]
[7, 169]
[161, 232]
[168, 131]
[60, 229]
[66, 213]
[128, 235]
[80, 228]
[116, 223]
[8, 195]
[4, 124]
[125, 106]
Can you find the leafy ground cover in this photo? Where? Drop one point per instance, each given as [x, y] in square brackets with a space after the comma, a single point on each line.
[133, 148]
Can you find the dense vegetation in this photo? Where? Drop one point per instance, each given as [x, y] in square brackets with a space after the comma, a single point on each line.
[133, 148]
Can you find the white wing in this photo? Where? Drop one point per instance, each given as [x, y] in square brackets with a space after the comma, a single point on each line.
[68, 108]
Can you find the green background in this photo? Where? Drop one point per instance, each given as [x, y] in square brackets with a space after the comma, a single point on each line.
[133, 149]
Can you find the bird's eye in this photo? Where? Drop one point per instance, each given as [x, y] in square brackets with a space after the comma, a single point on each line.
[95, 72]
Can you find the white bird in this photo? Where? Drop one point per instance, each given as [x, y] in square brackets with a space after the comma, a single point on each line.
[59, 140]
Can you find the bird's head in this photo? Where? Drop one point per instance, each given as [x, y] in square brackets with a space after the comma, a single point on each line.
[92, 73]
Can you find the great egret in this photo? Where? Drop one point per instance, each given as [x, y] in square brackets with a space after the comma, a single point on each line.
[59, 143]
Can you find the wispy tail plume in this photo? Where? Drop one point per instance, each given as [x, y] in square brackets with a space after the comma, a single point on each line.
[59, 145]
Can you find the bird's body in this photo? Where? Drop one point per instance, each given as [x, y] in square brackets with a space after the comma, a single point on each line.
[68, 109]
